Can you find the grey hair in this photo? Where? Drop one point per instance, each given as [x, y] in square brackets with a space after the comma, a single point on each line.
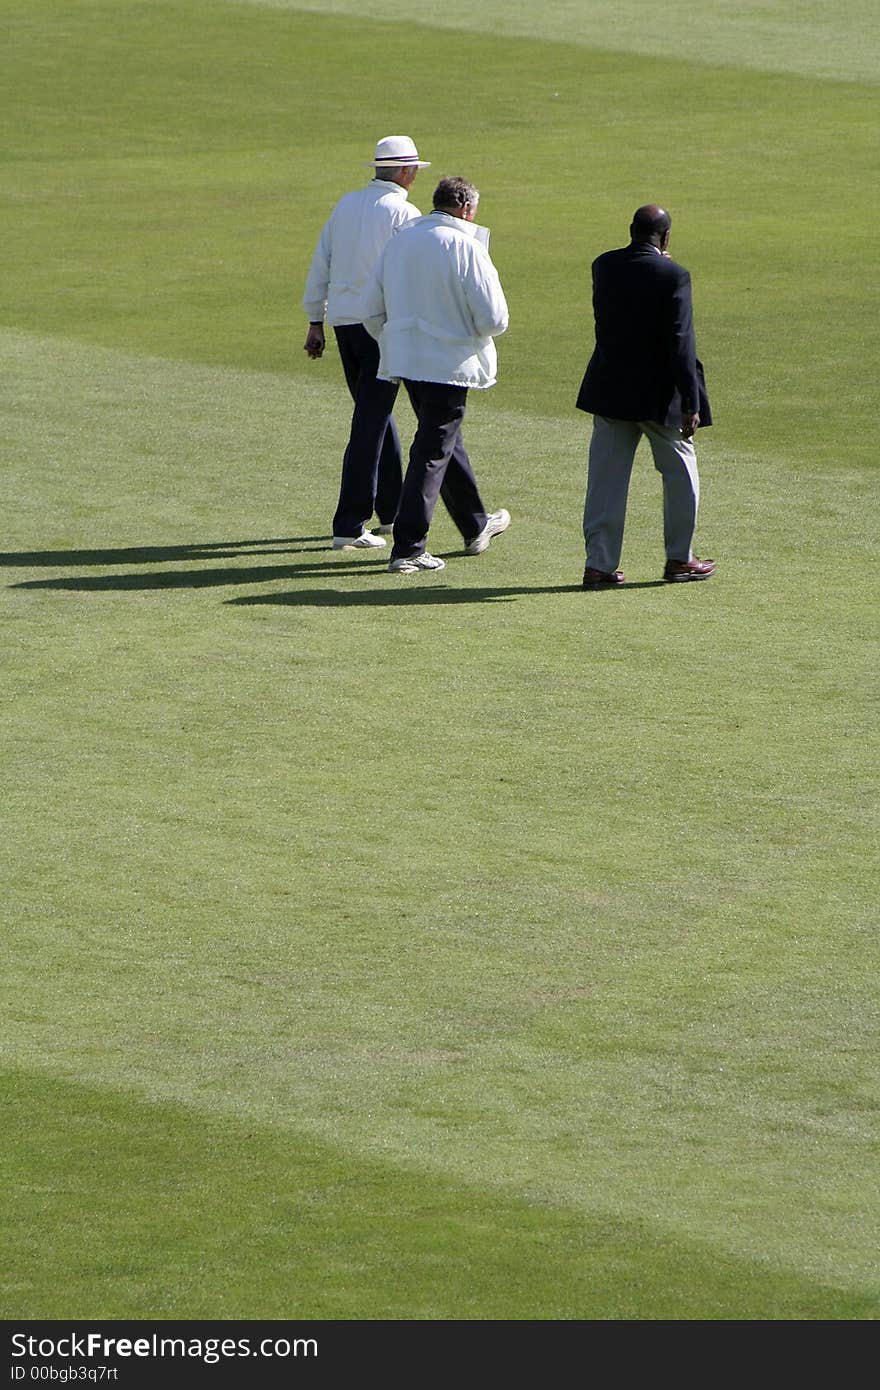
[455, 193]
[388, 173]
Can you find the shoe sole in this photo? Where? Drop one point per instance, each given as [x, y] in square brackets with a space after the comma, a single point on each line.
[474, 549]
[602, 584]
[685, 578]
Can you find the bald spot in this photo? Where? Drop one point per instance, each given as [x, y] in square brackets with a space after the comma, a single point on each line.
[649, 222]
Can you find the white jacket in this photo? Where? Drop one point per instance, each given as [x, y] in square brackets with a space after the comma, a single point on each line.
[351, 241]
[434, 303]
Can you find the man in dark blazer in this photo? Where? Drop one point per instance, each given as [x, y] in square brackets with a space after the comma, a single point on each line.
[644, 378]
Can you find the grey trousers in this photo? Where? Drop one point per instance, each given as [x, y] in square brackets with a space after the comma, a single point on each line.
[612, 450]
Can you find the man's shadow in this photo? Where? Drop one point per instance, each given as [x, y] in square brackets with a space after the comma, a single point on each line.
[193, 579]
[162, 554]
[399, 591]
[413, 595]
[407, 596]
[216, 576]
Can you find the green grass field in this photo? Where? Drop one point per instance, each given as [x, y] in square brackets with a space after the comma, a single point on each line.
[464, 946]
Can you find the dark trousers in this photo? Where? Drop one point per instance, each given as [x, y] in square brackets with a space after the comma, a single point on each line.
[371, 466]
[438, 467]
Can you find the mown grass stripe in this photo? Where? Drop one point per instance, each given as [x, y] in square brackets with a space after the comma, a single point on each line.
[148, 1210]
[804, 37]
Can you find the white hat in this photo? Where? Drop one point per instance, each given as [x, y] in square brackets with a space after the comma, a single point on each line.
[395, 150]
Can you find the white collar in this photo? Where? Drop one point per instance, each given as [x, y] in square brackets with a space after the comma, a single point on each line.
[388, 186]
[471, 229]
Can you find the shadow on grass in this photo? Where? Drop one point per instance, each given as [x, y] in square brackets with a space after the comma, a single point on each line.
[394, 596]
[399, 591]
[191, 579]
[413, 596]
[161, 554]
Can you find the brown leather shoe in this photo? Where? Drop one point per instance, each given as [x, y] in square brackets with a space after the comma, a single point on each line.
[601, 579]
[680, 571]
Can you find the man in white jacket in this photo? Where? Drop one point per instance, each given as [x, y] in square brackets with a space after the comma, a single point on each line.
[434, 303]
[350, 243]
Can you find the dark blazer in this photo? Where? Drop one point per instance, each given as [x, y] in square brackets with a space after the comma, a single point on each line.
[645, 365]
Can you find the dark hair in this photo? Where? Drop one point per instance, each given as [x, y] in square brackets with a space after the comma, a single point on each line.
[455, 193]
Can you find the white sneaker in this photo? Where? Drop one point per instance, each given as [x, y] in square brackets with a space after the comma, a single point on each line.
[415, 563]
[385, 529]
[496, 522]
[365, 541]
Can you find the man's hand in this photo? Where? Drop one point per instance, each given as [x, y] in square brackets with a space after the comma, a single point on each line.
[314, 343]
[689, 424]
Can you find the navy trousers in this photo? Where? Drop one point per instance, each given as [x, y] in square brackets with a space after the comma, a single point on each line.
[438, 467]
[371, 466]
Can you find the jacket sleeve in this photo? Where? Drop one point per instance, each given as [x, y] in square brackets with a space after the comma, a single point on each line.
[485, 297]
[402, 213]
[684, 345]
[372, 301]
[318, 279]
